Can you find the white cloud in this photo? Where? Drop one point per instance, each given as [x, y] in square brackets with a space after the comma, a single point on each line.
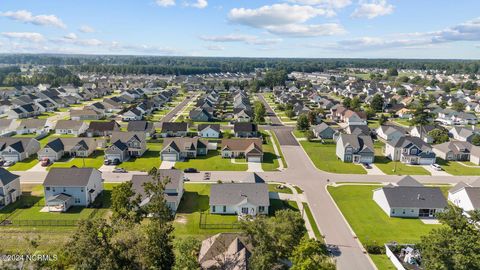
[86, 29]
[333, 4]
[71, 36]
[467, 31]
[286, 19]
[27, 17]
[373, 9]
[215, 48]
[199, 4]
[248, 39]
[26, 36]
[165, 3]
[303, 30]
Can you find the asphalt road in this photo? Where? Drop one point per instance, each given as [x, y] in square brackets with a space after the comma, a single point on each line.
[270, 113]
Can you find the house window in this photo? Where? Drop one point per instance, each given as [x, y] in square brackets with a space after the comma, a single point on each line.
[393, 211]
[224, 208]
[77, 200]
[64, 190]
[404, 211]
[81, 190]
[261, 209]
[47, 188]
[53, 189]
[213, 208]
[413, 151]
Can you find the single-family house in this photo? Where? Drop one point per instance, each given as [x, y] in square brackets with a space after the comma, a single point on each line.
[174, 129]
[463, 134]
[466, 196]
[232, 249]
[250, 149]
[176, 149]
[18, 149]
[355, 148]
[125, 145]
[173, 189]
[390, 133]
[410, 200]
[200, 114]
[32, 126]
[70, 127]
[422, 132]
[141, 126]
[245, 130]
[239, 199]
[410, 150]
[10, 189]
[66, 187]
[209, 130]
[56, 148]
[101, 128]
[85, 114]
[455, 150]
[323, 131]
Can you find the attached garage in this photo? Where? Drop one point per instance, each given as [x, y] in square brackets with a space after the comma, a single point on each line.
[256, 159]
[11, 157]
[169, 157]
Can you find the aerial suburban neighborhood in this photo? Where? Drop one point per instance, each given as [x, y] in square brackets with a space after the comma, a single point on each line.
[267, 137]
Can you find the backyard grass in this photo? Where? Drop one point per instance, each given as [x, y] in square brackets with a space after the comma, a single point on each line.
[324, 157]
[45, 115]
[402, 122]
[25, 164]
[274, 188]
[371, 224]
[270, 159]
[382, 262]
[315, 228]
[94, 161]
[455, 168]
[213, 161]
[389, 167]
[369, 221]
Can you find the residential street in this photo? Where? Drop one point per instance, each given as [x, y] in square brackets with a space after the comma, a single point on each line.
[301, 172]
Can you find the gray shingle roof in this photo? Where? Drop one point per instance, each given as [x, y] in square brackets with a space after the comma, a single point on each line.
[68, 177]
[6, 177]
[175, 177]
[235, 193]
[415, 197]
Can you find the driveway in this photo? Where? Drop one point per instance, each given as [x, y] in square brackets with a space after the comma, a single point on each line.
[434, 172]
[167, 164]
[254, 167]
[374, 170]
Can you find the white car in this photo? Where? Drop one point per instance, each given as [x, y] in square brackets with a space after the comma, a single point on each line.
[436, 167]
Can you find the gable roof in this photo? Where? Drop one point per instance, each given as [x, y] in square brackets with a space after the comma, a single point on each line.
[241, 144]
[414, 197]
[69, 177]
[6, 177]
[408, 181]
[244, 127]
[215, 127]
[174, 126]
[139, 126]
[103, 126]
[175, 177]
[227, 248]
[235, 193]
[68, 124]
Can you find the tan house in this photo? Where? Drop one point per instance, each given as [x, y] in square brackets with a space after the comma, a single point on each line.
[250, 149]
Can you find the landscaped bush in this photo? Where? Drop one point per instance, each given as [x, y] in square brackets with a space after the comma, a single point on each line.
[375, 248]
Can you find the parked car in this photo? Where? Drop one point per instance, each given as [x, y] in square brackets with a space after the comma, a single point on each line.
[190, 170]
[2, 162]
[367, 166]
[116, 161]
[436, 167]
[119, 170]
[107, 162]
[8, 163]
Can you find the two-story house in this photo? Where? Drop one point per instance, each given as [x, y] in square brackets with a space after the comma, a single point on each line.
[355, 148]
[125, 145]
[410, 150]
[176, 149]
[10, 189]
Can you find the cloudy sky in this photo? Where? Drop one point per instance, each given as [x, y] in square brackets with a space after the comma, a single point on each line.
[251, 28]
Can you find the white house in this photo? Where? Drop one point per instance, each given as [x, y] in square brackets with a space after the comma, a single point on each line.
[239, 199]
[209, 130]
[410, 199]
[466, 196]
[66, 187]
[10, 189]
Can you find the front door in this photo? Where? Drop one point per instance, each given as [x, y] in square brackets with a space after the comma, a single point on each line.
[245, 210]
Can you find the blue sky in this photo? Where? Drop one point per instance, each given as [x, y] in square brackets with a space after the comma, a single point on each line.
[250, 28]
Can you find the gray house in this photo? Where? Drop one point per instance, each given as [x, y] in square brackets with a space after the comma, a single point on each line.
[176, 149]
[355, 148]
[18, 149]
[410, 150]
[10, 189]
[200, 115]
[56, 148]
[239, 199]
[174, 129]
[125, 145]
[173, 189]
[66, 187]
[245, 130]
[323, 131]
[410, 199]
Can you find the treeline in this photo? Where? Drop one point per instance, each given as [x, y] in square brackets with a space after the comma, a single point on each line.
[201, 65]
[54, 75]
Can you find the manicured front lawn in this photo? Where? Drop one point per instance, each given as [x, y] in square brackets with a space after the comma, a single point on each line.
[150, 159]
[270, 159]
[397, 168]
[299, 133]
[94, 161]
[213, 161]
[369, 221]
[371, 224]
[324, 157]
[455, 168]
[25, 164]
[277, 144]
[402, 122]
[382, 262]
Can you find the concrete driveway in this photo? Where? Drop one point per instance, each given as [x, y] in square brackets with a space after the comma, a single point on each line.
[435, 172]
[254, 167]
[167, 164]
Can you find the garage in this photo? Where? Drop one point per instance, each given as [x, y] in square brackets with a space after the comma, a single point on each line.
[254, 159]
[13, 158]
[169, 157]
[114, 157]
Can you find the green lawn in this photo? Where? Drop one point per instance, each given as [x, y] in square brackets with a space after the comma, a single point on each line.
[274, 188]
[324, 157]
[145, 163]
[382, 262]
[389, 167]
[401, 121]
[299, 133]
[46, 115]
[213, 161]
[455, 168]
[369, 221]
[270, 159]
[315, 228]
[275, 141]
[94, 161]
[371, 224]
[25, 164]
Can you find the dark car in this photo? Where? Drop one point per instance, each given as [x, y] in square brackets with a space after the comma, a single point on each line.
[116, 161]
[107, 162]
[190, 170]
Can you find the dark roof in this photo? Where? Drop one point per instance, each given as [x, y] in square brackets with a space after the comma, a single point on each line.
[56, 145]
[415, 197]
[244, 127]
[408, 181]
[139, 126]
[7, 177]
[68, 177]
[103, 126]
[235, 193]
[175, 177]
[215, 127]
[174, 126]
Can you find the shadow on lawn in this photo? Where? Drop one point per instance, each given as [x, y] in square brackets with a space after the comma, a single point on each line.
[269, 157]
[276, 204]
[193, 202]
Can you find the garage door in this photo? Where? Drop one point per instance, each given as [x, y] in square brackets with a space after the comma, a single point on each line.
[169, 157]
[13, 158]
[254, 159]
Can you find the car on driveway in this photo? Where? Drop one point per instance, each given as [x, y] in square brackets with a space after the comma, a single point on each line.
[436, 167]
[367, 166]
[119, 170]
[8, 163]
[190, 170]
